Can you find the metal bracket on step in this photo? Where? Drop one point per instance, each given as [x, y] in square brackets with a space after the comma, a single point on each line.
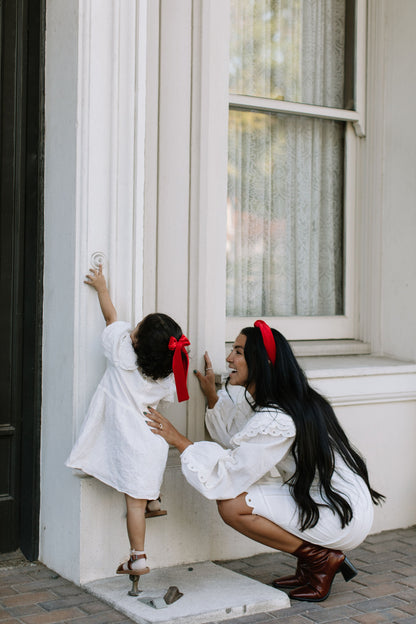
[135, 591]
[161, 602]
[172, 595]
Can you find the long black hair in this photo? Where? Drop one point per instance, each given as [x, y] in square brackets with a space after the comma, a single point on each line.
[319, 435]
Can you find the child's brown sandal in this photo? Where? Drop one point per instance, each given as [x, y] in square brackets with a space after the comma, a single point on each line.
[130, 570]
[154, 510]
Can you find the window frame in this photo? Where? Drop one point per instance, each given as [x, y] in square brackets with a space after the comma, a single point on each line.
[324, 327]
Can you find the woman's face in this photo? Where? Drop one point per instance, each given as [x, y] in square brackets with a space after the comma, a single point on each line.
[237, 362]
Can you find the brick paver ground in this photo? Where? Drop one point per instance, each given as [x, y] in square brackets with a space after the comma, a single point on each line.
[383, 591]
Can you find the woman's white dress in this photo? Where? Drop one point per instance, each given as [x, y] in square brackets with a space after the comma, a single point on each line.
[115, 445]
[253, 455]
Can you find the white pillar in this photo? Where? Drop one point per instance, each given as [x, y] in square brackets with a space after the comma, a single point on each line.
[94, 180]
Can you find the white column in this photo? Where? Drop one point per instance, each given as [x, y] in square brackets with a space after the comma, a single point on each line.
[110, 163]
[208, 199]
[94, 185]
[185, 214]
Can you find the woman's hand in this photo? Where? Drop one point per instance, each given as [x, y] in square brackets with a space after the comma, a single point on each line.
[163, 427]
[207, 382]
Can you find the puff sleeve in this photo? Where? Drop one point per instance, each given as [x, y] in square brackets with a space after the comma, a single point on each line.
[229, 415]
[219, 473]
[117, 345]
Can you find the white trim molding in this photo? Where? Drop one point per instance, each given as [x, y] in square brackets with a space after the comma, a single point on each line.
[362, 380]
[360, 67]
[371, 190]
[208, 183]
[110, 170]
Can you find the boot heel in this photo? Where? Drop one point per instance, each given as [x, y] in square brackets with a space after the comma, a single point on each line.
[347, 570]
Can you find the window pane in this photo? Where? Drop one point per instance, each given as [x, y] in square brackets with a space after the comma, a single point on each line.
[290, 50]
[284, 215]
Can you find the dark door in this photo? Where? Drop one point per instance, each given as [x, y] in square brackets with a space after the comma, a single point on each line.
[21, 89]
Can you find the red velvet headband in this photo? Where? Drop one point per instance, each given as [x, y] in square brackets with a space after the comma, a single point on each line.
[180, 365]
[268, 340]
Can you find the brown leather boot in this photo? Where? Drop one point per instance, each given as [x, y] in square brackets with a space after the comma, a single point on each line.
[293, 580]
[322, 564]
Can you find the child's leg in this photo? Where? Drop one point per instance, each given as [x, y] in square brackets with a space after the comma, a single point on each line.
[136, 528]
[136, 523]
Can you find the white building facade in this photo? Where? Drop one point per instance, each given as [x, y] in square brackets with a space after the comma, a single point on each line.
[136, 114]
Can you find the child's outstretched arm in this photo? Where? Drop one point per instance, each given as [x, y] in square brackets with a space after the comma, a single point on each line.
[96, 279]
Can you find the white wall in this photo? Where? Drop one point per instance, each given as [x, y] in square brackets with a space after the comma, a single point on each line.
[60, 501]
[374, 398]
[399, 207]
[386, 441]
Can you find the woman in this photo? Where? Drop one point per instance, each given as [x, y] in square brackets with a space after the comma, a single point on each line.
[283, 473]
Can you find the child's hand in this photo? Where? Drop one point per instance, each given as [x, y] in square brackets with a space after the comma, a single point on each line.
[96, 279]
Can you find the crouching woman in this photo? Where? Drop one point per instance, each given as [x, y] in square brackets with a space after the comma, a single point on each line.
[282, 469]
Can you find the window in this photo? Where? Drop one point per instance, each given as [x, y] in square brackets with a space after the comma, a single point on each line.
[294, 102]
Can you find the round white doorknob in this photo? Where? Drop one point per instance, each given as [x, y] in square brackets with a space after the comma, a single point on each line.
[97, 258]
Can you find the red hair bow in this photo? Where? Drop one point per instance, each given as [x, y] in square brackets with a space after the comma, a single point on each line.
[268, 340]
[180, 365]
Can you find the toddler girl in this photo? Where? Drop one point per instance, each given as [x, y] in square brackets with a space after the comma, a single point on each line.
[115, 444]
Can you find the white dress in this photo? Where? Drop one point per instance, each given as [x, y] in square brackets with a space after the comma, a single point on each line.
[115, 445]
[254, 456]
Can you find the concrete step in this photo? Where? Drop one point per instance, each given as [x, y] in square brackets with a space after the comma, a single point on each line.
[210, 592]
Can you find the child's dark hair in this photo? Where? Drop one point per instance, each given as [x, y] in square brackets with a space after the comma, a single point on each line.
[154, 358]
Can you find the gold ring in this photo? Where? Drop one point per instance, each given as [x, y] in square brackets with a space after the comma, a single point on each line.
[160, 426]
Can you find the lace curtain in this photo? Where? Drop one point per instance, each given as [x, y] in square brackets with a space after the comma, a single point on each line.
[285, 190]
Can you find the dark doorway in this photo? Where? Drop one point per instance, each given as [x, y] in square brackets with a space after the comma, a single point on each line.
[21, 165]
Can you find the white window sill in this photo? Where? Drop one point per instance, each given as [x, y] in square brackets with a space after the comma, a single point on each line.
[329, 347]
[352, 365]
[361, 379]
[353, 378]
[303, 348]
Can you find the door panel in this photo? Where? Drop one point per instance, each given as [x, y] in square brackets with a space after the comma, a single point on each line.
[9, 223]
[21, 37]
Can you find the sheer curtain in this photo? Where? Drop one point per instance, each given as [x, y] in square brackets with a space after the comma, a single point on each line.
[285, 192]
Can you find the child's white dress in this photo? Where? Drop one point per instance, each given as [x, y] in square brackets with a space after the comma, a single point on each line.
[115, 444]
